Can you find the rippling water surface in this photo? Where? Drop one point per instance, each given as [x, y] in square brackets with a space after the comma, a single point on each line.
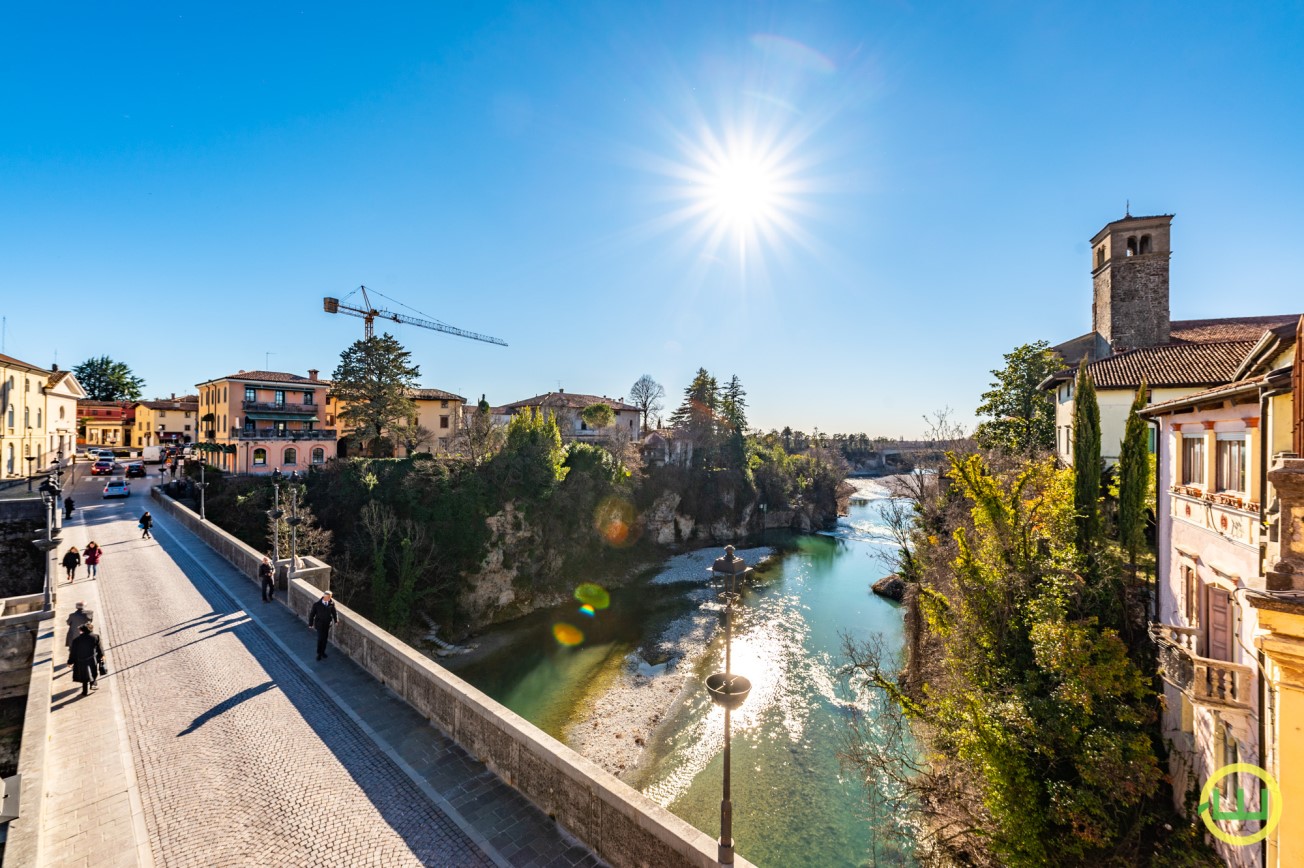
[793, 803]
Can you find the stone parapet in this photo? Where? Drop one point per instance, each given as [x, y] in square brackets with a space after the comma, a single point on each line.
[23, 841]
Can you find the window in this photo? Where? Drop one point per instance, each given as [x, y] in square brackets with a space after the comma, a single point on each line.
[61, 412]
[307, 399]
[1145, 244]
[279, 400]
[443, 404]
[249, 426]
[1231, 462]
[282, 427]
[38, 417]
[1100, 256]
[443, 421]
[187, 427]
[1190, 588]
[27, 417]
[319, 456]
[162, 413]
[251, 394]
[27, 385]
[291, 456]
[9, 460]
[1193, 460]
[1131, 245]
[1228, 750]
[260, 457]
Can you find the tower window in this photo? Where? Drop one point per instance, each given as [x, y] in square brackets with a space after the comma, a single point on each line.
[1100, 256]
[1145, 243]
[1131, 245]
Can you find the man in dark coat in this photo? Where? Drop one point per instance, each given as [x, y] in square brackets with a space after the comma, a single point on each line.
[68, 506]
[86, 657]
[76, 619]
[265, 579]
[321, 617]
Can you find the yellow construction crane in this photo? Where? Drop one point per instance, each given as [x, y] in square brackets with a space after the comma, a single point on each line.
[369, 314]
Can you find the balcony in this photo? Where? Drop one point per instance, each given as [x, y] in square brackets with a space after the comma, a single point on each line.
[1212, 683]
[278, 434]
[1227, 514]
[278, 407]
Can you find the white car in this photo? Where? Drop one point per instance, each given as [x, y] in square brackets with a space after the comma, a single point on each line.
[117, 487]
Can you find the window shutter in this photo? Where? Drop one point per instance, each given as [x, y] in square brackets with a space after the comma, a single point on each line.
[1219, 644]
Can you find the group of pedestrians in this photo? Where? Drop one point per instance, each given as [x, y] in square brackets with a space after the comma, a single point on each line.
[322, 616]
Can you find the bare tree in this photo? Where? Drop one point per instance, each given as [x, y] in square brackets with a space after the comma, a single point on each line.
[412, 436]
[646, 395]
[478, 439]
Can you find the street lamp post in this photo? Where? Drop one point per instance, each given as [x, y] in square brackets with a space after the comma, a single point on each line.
[49, 497]
[31, 459]
[294, 521]
[726, 689]
[203, 515]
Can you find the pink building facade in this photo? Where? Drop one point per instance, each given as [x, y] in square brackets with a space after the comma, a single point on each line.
[257, 422]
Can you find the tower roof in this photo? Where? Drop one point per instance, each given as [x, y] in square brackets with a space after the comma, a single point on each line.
[1162, 219]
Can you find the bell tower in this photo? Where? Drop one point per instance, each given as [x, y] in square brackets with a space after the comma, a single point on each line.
[1129, 272]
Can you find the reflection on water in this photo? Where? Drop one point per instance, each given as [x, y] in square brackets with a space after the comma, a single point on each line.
[793, 803]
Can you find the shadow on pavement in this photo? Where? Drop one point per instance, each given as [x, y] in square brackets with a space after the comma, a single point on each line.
[226, 705]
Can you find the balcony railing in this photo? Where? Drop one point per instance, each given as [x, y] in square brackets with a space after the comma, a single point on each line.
[278, 407]
[278, 434]
[1213, 683]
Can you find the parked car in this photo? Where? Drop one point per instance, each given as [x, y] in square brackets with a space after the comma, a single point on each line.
[104, 467]
[136, 468]
[117, 487]
[106, 454]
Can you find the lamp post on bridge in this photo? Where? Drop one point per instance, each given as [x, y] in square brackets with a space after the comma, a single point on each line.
[728, 690]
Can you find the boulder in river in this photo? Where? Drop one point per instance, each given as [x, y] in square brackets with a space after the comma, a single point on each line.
[890, 586]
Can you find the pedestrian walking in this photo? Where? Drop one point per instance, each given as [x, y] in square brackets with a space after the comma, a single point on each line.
[86, 657]
[92, 558]
[71, 561]
[322, 617]
[146, 522]
[68, 505]
[81, 615]
[265, 578]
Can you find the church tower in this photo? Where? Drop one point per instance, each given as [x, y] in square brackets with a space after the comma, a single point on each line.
[1129, 270]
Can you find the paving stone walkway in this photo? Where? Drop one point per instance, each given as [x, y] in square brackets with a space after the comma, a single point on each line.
[246, 751]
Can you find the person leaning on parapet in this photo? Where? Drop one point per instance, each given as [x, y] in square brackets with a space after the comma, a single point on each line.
[86, 657]
[146, 522]
[265, 579]
[71, 561]
[322, 616]
[81, 615]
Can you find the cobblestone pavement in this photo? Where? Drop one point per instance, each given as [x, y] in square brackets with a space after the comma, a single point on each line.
[241, 757]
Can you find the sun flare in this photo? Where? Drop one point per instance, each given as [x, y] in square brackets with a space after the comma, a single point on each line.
[742, 192]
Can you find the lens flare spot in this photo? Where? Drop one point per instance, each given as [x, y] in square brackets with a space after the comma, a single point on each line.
[587, 610]
[567, 635]
[593, 596]
[614, 522]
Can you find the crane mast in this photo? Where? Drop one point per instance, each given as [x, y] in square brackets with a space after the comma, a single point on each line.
[369, 314]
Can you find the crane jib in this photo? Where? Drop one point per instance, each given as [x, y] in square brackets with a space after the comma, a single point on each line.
[333, 305]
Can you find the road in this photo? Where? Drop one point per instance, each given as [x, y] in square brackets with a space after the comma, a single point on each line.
[237, 756]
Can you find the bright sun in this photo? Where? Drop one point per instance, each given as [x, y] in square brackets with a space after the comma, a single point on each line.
[742, 192]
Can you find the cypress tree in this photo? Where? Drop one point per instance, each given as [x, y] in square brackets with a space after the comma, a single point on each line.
[1086, 464]
[1134, 480]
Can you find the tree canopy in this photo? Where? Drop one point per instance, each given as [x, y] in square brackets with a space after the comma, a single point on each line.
[1021, 416]
[372, 383]
[103, 379]
[646, 395]
[598, 416]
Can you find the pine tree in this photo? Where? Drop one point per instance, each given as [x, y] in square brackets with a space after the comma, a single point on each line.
[1134, 480]
[697, 416]
[1086, 464]
[372, 383]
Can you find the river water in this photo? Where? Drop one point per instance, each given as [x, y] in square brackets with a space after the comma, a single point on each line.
[793, 803]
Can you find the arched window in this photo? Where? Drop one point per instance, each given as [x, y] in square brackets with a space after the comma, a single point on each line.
[11, 415]
[38, 417]
[61, 409]
[319, 456]
[9, 460]
[1131, 245]
[27, 417]
[291, 457]
[1145, 243]
[1100, 256]
[260, 457]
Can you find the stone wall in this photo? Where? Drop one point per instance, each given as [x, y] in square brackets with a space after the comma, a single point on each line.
[617, 822]
[1131, 305]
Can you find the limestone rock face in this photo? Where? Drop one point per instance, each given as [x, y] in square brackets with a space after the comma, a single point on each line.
[890, 586]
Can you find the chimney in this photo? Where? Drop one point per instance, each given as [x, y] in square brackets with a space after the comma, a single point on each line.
[561, 391]
[312, 374]
[174, 396]
[55, 367]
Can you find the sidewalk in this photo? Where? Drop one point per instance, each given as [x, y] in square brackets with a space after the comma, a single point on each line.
[93, 809]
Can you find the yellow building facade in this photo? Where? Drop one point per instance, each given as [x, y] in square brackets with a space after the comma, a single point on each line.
[165, 423]
[38, 416]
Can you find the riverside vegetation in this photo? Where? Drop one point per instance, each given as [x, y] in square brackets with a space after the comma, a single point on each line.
[1022, 726]
[510, 524]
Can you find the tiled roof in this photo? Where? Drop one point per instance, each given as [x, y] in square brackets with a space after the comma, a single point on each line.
[568, 400]
[273, 377]
[1225, 389]
[1187, 364]
[10, 361]
[169, 405]
[434, 395]
[1239, 328]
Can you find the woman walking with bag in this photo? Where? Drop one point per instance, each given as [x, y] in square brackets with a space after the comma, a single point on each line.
[146, 522]
[71, 561]
[86, 657]
[92, 558]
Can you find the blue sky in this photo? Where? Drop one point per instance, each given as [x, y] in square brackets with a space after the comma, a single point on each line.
[181, 184]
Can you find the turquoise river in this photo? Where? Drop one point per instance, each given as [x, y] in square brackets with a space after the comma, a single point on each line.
[794, 804]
